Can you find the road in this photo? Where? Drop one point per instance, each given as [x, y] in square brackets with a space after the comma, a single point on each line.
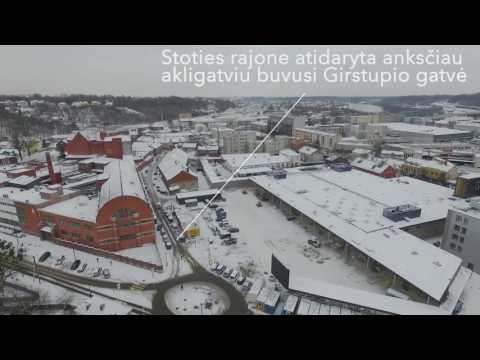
[238, 305]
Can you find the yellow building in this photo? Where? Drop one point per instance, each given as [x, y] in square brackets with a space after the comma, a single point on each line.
[439, 171]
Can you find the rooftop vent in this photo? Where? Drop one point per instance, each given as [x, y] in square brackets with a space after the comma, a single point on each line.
[398, 213]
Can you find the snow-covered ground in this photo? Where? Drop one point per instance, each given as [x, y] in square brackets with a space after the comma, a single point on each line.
[120, 272]
[471, 296]
[266, 229]
[54, 294]
[196, 298]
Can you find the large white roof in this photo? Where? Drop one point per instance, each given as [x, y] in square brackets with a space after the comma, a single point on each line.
[257, 159]
[79, 207]
[350, 205]
[123, 181]
[420, 129]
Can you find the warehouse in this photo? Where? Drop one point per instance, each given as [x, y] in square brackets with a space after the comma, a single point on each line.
[346, 209]
[200, 195]
[420, 133]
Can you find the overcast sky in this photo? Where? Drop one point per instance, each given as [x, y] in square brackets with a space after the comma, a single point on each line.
[137, 71]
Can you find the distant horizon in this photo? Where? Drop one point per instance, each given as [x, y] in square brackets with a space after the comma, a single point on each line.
[238, 96]
[137, 71]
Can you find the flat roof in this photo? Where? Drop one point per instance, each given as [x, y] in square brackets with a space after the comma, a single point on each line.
[350, 205]
[362, 298]
[79, 207]
[195, 194]
[421, 129]
[258, 159]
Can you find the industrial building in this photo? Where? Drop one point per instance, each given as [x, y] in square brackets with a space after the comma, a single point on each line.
[118, 218]
[419, 133]
[347, 209]
[437, 170]
[84, 145]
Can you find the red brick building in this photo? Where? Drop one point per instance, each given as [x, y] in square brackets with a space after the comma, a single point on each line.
[175, 172]
[84, 145]
[119, 218]
[379, 168]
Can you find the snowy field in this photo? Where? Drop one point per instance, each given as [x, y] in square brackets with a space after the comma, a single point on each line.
[266, 229]
[120, 272]
[197, 298]
[54, 294]
[471, 296]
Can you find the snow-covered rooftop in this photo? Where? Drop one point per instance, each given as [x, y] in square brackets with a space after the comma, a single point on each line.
[79, 207]
[350, 205]
[441, 165]
[123, 181]
[420, 129]
[234, 161]
[307, 150]
[173, 163]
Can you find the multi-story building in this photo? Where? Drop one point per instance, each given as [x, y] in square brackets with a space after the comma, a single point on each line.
[235, 142]
[418, 133]
[462, 233]
[275, 144]
[316, 138]
[439, 171]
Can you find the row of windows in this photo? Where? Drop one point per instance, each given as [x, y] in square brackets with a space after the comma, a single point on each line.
[457, 228]
[456, 247]
[459, 218]
[75, 235]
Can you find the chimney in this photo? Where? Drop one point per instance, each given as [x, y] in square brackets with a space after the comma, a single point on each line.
[103, 134]
[51, 173]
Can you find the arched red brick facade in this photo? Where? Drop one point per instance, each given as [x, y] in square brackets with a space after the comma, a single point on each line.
[125, 222]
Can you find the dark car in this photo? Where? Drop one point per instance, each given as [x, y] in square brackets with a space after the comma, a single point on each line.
[234, 230]
[60, 261]
[291, 218]
[241, 279]
[75, 265]
[213, 206]
[98, 272]
[82, 269]
[44, 256]
[9, 245]
[437, 243]
[2, 244]
[314, 243]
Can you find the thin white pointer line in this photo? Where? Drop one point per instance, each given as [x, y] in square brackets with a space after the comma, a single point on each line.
[240, 167]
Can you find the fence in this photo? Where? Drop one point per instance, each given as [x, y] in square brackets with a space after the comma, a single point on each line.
[109, 255]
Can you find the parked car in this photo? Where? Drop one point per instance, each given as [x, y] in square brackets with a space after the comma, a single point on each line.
[315, 243]
[234, 229]
[2, 244]
[98, 272]
[247, 285]
[259, 204]
[241, 279]
[291, 218]
[221, 269]
[60, 261]
[436, 243]
[82, 269]
[106, 274]
[213, 206]
[234, 275]
[159, 228]
[458, 308]
[75, 265]
[9, 245]
[44, 256]
[230, 241]
[214, 266]
[168, 245]
[227, 273]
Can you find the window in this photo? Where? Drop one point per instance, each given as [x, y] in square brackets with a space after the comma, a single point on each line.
[454, 236]
[458, 218]
[453, 246]
[128, 237]
[124, 213]
[456, 227]
[459, 249]
[464, 231]
[462, 239]
[465, 221]
[470, 266]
